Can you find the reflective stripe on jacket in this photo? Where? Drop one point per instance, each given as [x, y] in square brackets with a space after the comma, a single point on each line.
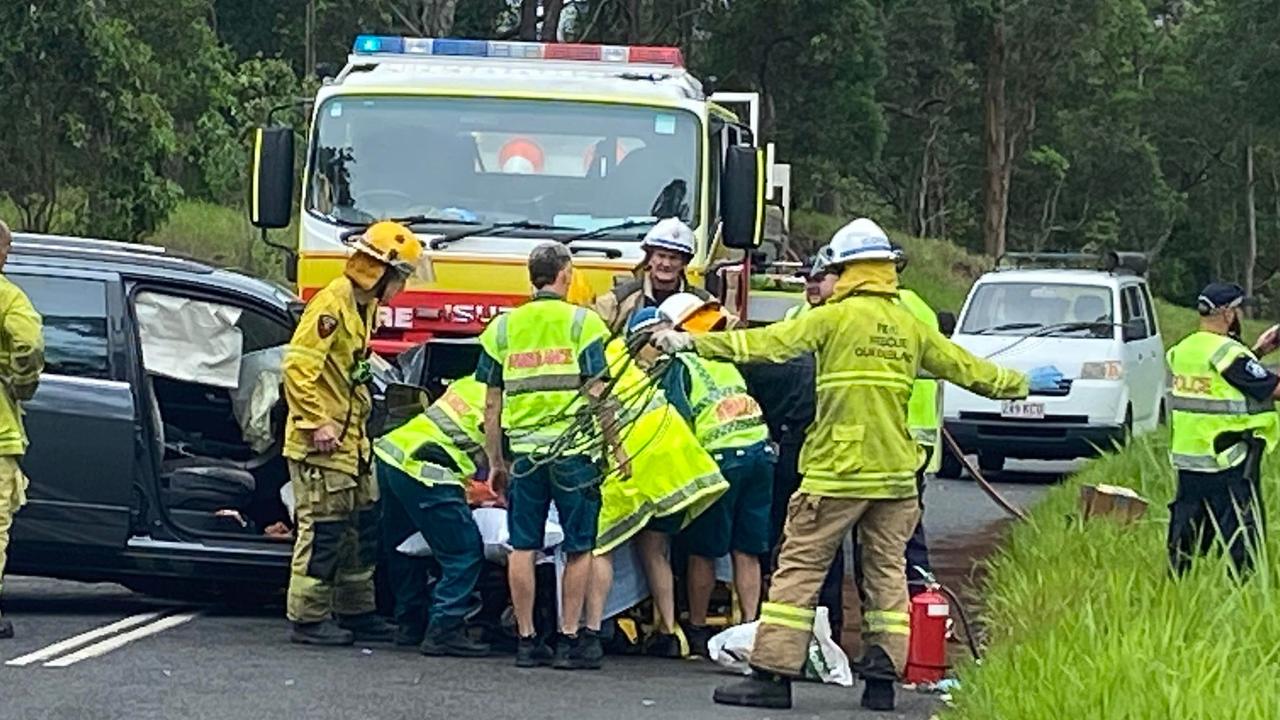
[452, 423]
[1203, 406]
[869, 352]
[539, 346]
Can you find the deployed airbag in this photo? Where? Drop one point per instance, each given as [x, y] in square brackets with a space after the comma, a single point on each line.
[190, 340]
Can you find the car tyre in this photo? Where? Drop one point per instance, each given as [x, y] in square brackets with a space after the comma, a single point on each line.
[990, 462]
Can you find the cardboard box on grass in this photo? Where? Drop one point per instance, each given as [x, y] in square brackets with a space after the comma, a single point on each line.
[1113, 501]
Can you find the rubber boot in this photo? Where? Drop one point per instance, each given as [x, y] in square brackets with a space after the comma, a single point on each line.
[452, 641]
[878, 695]
[325, 632]
[760, 689]
[6, 629]
[368, 627]
[532, 652]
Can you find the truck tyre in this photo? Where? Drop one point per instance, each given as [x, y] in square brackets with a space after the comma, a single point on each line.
[990, 462]
[951, 468]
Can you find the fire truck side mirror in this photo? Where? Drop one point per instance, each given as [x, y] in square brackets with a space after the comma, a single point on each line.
[742, 197]
[271, 194]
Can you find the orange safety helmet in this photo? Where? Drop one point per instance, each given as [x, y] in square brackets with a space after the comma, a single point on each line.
[384, 246]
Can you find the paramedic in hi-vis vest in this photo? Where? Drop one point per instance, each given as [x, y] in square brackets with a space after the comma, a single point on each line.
[422, 469]
[544, 364]
[21, 361]
[1223, 418]
[325, 374]
[859, 461]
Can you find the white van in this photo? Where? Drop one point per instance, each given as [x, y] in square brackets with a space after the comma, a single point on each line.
[1096, 326]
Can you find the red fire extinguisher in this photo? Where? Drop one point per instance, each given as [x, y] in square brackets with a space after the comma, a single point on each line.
[927, 655]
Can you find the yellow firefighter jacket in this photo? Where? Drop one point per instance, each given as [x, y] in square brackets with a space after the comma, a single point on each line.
[320, 385]
[21, 361]
[869, 351]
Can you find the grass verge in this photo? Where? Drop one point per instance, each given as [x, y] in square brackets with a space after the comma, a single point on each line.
[1086, 623]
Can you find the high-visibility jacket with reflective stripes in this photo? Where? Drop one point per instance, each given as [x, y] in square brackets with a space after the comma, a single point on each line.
[21, 361]
[1203, 405]
[796, 311]
[539, 346]
[724, 414]
[922, 408]
[452, 423]
[670, 472]
[869, 352]
[331, 340]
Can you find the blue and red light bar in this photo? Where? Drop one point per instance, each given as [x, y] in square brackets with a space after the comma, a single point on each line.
[452, 47]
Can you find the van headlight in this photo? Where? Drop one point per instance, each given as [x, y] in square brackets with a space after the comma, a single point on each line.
[1104, 370]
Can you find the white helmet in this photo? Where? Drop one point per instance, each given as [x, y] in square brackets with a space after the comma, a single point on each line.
[691, 313]
[670, 234]
[860, 240]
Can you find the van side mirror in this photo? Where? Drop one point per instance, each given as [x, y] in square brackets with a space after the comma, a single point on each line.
[946, 323]
[271, 200]
[742, 197]
[1135, 329]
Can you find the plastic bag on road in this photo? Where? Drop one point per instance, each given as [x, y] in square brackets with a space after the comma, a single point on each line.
[826, 662]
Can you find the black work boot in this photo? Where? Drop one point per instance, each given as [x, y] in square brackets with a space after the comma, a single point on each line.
[878, 694]
[589, 650]
[532, 652]
[453, 641]
[407, 635]
[879, 673]
[325, 632]
[6, 629]
[568, 654]
[664, 645]
[698, 635]
[368, 627]
[760, 689]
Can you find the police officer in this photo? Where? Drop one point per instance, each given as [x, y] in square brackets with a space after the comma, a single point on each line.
[542, 362]
[668, 249]
[422, 468]
[728, 422]
[858, 460]
[1223, 417]
[21, 360]
[325, 373]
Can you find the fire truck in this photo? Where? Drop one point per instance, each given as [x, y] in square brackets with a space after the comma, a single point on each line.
[488, 148]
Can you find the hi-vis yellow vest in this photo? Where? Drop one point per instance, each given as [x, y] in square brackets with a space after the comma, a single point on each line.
[724, 414]
[452, 423]
[538, 345]
[670, 472]
[922, 407]
[1203, 405]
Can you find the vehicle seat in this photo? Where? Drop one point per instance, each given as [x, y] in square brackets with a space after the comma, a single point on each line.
[1092, 309]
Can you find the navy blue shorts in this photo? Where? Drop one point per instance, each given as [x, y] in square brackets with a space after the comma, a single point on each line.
[573, 483]
[739, 520]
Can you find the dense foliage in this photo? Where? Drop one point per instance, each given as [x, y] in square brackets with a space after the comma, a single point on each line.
[998, 124]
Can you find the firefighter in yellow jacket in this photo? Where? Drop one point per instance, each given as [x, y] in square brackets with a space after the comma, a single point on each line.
[21, 360]
[858, 460]
[325, 374]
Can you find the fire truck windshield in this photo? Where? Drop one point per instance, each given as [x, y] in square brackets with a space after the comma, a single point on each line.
[576, 165]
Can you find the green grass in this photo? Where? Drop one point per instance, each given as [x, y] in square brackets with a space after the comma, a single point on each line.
[223, 237]
[1086, 623]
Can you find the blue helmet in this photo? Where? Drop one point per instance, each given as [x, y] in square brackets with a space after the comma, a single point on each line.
[643, 319]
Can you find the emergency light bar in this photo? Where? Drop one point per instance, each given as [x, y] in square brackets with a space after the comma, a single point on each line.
[452, 47]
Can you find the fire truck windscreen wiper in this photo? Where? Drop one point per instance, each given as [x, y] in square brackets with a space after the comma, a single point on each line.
[501, 228]
[607, 229]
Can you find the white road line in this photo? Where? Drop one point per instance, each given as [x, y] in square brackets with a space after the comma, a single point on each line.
[72, 643]
[119, 641]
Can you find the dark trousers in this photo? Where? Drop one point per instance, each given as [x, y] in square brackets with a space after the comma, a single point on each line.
[1224, 506]
[786, 480]
[917, 551]
[441, 514]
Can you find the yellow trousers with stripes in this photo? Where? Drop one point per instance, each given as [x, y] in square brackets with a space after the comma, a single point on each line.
[815, 528]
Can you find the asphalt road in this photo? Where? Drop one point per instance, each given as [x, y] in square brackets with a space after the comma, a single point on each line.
[99, 651]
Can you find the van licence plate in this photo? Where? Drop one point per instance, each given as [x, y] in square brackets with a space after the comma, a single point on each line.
[1022, 410]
